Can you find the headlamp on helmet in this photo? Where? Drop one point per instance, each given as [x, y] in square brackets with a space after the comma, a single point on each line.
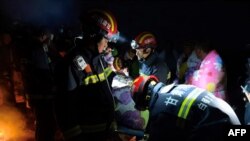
[134, 45]
[113, 38]
[104, 23]
[144, 40]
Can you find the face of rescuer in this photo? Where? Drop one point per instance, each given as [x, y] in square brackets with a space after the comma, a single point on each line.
[143, 53]
[102, 45]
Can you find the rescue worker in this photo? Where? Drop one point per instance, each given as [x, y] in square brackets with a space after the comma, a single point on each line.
[182, 112]
[40, 86]
[85, 105]
[149, 61]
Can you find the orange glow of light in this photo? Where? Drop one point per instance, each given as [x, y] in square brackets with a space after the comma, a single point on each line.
[1, 136]
[13, 122]
[13, 125]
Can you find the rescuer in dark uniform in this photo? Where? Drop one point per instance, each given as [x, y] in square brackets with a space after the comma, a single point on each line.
[149, 62]
[182, 112]
[85, 105]
[40, 85]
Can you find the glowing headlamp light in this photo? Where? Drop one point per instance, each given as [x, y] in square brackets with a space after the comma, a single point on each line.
[113, 38]
[134, 45]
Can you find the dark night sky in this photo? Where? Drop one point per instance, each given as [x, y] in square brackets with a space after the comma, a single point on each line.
[226, 22]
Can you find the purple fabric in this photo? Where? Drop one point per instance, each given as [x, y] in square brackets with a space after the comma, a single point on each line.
[126, 114]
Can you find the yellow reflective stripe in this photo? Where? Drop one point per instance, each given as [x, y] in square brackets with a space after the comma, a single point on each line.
[106, 72]
[101, 77]
[92, 79]
[145, 36]
[145, 115]
[188, 102]
[72, 132]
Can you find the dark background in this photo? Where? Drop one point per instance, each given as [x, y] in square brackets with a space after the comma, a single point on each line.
[172, 21]
[226, 24]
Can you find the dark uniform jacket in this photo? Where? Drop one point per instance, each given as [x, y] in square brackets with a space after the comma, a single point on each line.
[247, 114]
[153, 65]
[38, 74]
[85, 99]
[188, 113]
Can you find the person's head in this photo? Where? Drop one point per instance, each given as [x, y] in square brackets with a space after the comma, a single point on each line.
[42, 33]
[202, 48]
[100, 27]
[144, 44]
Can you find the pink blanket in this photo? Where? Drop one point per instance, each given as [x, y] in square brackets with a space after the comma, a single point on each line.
[211, 75]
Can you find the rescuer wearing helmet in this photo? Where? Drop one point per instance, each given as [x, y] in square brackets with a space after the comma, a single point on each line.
[149, 62]
[39, 83]
[182, 112]
[85, 106]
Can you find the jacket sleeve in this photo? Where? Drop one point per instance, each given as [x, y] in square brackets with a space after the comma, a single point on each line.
[247, 114]
[162, 72]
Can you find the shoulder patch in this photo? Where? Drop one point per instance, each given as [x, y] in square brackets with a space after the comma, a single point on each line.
[80, 62]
